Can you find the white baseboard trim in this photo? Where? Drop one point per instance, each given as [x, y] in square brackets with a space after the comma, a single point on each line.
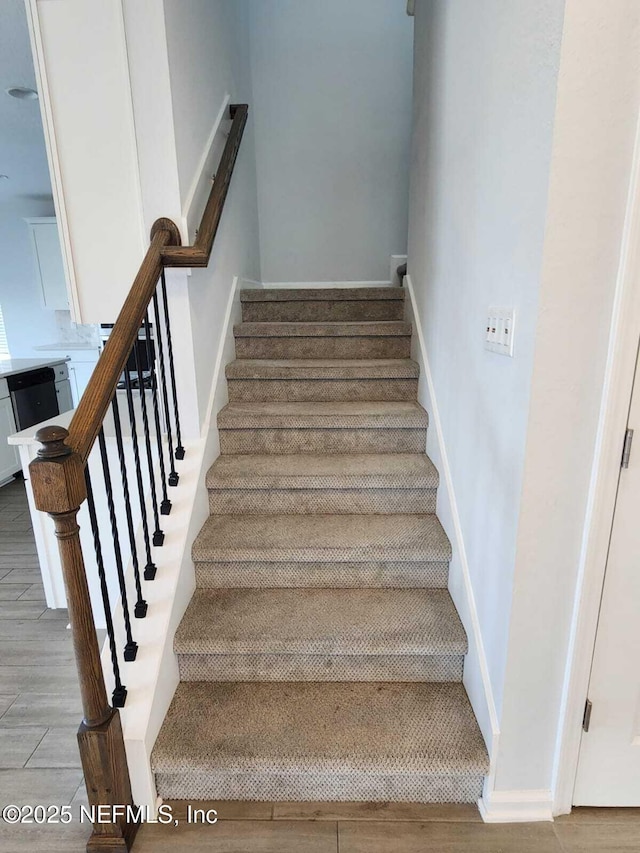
[476, 671]
[322, 284]
[516, 806]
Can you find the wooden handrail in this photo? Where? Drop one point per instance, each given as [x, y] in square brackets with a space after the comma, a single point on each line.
[198, 255]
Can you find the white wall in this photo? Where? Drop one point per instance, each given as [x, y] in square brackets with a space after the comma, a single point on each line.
[27, 322]
[332, 108]
[208, 61]
[595, 128]
[521, 163]
[485, 81]
[26, 192]
[83, 79]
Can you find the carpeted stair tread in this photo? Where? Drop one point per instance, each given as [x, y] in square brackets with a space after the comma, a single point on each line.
[402, 414]
[324, 294]
[328, 368]
[332, 740]
[301, 329]
[323, 471]
[321, 621]
[321, 539]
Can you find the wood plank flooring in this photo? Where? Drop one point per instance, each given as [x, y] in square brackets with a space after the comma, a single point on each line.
[39, 763]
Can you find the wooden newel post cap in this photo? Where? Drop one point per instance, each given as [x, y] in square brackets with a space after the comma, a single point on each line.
[164, 224]
[52, 439]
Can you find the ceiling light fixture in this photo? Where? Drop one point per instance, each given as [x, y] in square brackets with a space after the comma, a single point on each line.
[22, 93]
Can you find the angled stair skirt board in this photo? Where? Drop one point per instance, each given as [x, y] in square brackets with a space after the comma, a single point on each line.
[321, 656]
[476, 678]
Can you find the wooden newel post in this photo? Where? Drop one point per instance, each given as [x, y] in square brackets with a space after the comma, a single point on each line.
[57, 480]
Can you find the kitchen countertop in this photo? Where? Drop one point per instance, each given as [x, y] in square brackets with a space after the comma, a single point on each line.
[73, 346]
[11, 366]
[28, 436]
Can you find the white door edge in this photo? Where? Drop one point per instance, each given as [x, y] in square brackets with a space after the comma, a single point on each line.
[605, 472]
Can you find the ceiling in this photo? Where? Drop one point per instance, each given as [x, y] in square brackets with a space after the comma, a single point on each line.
[22, 151]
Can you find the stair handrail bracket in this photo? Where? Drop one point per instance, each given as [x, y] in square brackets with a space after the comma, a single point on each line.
[61, 483]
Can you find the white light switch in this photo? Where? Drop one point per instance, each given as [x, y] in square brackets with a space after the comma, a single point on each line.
[499, 331]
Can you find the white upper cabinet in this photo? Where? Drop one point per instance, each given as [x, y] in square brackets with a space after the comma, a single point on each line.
[48, 262]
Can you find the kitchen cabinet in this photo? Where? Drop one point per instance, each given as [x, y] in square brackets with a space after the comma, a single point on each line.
[63, 388]
[48, 262]
[9, 456]
[65, 397]
[81, 366]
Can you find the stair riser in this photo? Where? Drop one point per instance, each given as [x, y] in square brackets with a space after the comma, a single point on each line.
[323, 440]
[321, 390]
[322, 311]
[378, 575]
[318, 501]
[320, 786]
[276, 667]
[324, 347]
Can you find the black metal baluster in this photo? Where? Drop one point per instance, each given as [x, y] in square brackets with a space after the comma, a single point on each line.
[165, 506]
[173, 476]
[140, 609]
[119, 695]
[131, 648]
[158, 535]
[150, 569]
[179, 449]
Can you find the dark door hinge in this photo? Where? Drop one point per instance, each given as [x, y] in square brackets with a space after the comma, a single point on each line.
[586, 719]
[626, 448]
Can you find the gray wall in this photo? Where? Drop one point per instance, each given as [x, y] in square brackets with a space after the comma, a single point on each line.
[485, 91]
[332, 108]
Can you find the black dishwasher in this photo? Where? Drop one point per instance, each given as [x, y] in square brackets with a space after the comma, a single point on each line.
[33, 396]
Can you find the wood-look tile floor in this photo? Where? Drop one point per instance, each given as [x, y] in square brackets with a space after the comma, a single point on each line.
[39, 763]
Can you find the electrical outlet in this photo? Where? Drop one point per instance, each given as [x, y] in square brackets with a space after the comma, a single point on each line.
[499, 331]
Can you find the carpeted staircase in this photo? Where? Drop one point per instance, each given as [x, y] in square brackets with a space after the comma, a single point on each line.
[321, 655]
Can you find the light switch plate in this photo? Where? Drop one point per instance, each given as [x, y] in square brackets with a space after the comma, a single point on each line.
[500, 330]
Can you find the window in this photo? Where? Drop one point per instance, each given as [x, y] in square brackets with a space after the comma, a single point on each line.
[4, 346]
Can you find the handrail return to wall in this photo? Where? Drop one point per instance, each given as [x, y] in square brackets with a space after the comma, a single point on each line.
[61, 483]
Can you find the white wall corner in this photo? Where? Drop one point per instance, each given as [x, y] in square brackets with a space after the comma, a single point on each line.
[614, 409]
[516, 806]
[476, 679]
[224, 355]
[201, 182]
